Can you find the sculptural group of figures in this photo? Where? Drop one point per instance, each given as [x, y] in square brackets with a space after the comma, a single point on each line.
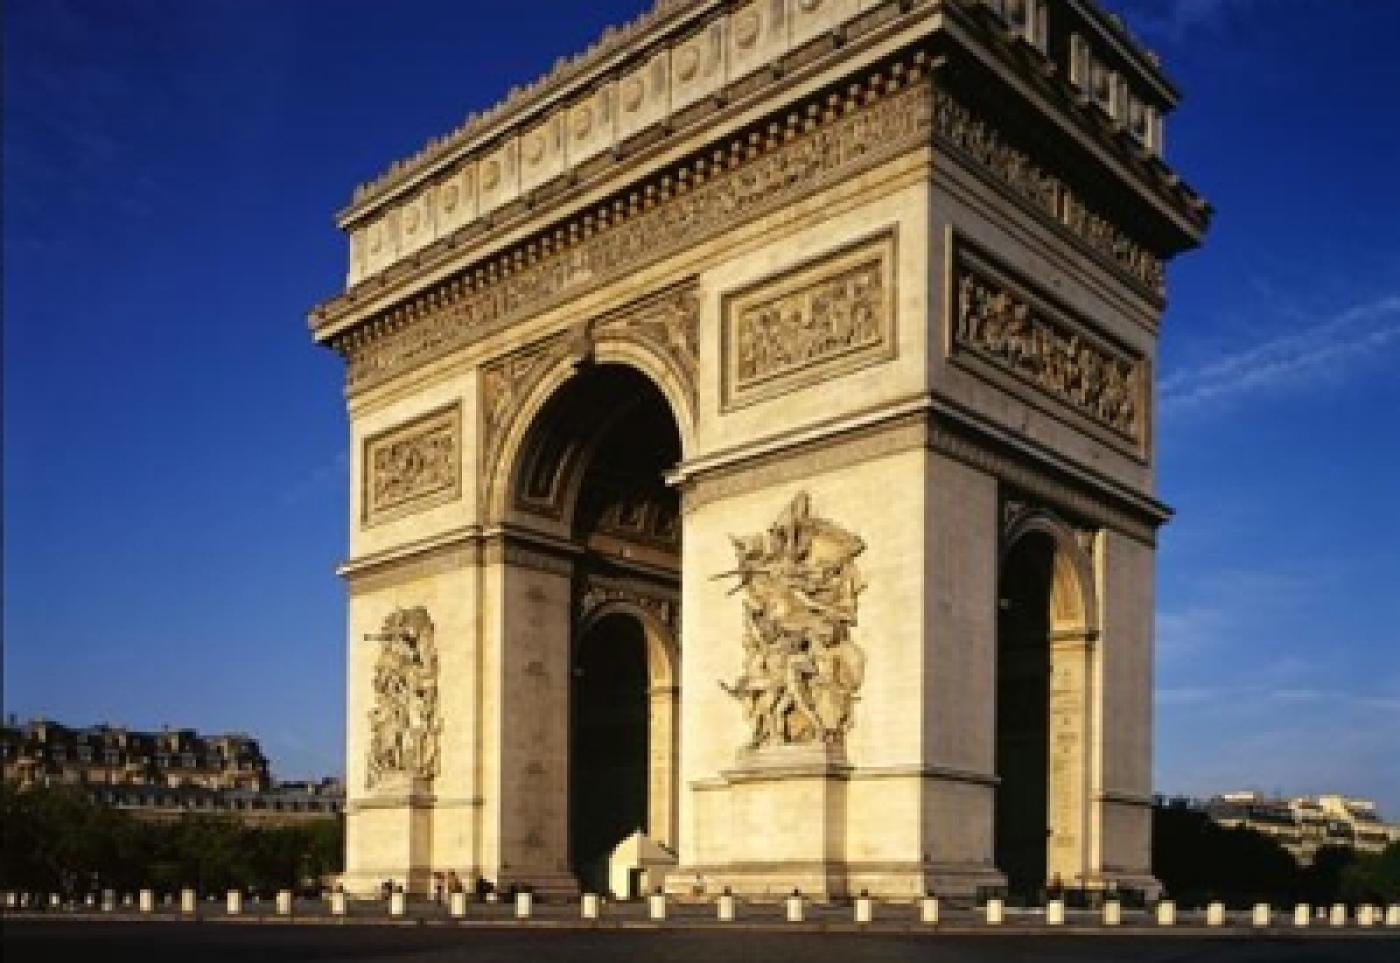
[1006, 328]
[801, 669]
[403, 720]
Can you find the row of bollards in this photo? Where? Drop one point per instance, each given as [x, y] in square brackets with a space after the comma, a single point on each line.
[1262, 915]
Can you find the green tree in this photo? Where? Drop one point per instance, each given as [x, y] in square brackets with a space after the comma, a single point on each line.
[1372, 879]
[1198, 860]
[56, 840]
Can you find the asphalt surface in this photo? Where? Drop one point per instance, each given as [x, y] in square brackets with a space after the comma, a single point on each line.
[53, 941]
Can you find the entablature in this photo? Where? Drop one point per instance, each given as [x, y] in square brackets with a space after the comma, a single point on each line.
[680, 67]
[783, 132]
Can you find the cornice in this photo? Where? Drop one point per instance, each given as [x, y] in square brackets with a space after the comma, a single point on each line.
[1041, 84]
[616, 44]
[848, 25]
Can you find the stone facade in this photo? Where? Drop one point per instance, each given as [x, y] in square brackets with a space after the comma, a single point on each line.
[816, 344]
[43, 752]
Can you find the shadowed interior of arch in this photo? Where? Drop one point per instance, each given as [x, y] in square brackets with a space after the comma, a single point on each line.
[594, 464]
[1023, 714]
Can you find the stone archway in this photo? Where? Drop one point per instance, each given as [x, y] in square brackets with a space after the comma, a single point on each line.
[1046, 630]
[585, 487]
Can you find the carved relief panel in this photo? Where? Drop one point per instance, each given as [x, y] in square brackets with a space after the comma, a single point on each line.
[817, 321]
[413, 467]
[1005, 328]
[403, 720]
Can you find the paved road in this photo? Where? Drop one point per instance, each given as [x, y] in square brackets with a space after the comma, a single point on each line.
[156, 942]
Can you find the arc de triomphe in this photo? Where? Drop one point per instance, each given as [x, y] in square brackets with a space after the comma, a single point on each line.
[752, 447]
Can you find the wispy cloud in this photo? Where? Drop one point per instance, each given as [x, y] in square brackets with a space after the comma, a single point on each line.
[1320, 350]
[316, 480]
[1280, 738]
[1173, 20]
[1247, 699]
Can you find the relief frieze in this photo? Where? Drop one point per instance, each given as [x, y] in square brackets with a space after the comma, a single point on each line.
[702, 200]
[414, 466]
[824, 319]
[957, 126]
[1000, 320]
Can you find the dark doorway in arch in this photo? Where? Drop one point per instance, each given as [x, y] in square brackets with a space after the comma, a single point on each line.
[610, 752]
[1022, 818]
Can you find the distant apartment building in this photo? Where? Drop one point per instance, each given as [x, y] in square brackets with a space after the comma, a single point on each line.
[1303, 824]
[161, 774]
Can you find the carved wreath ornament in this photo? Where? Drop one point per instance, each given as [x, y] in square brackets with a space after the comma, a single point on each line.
[403, 721]
[801, 588]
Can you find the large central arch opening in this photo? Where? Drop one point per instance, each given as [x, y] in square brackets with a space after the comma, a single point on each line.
[593, 471]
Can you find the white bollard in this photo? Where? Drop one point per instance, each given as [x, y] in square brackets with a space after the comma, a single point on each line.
[795, 908]
[724, 907]
[1302, 914]
[146, 901]
[1392, 915]
[338, 903]
[1112, 912]
[1215, 914]
[284, 902]
[398, 903]
[234, 904]
[524, 904]
[865, 908]
[589, 906]
[995, 912]
[656, 905]
[1263, 914]
[928, 910]
[457, 903]
[189, 901]
[1339, 914]
[1166, 913]
[1055, 913]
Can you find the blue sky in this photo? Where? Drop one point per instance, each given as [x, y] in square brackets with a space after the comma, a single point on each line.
[174, 474]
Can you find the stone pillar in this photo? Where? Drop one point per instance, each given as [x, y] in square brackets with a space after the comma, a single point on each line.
[1120, 750]
[389, 835]
[663, 741]
[1071, 701]
[528, 671]
[800, 778]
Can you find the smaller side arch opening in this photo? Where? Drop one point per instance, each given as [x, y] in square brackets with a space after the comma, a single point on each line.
[1045, 635]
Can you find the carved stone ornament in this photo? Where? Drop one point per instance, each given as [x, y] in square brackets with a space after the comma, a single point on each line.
[810, 324]
[414, 466]
[669, 321]
[598, 591]
[800, 590]
[682, 208]
[404, 725]
[1001, 322]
